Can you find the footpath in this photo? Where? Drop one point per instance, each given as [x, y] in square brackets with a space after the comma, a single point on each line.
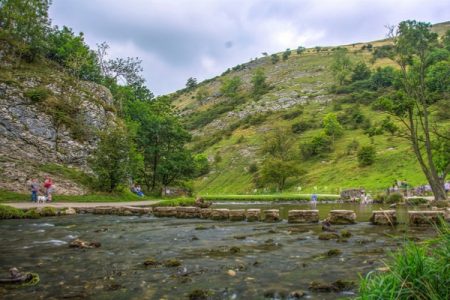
[28, 205]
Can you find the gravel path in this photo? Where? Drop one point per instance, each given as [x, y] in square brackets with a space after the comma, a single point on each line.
[81, 204]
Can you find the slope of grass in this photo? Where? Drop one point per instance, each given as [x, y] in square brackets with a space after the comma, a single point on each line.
[307, 78]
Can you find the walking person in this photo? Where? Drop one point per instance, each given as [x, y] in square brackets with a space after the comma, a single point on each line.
[48, 185]
[34, 187]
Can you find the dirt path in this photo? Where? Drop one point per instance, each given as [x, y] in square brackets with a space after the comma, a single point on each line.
[81, 204]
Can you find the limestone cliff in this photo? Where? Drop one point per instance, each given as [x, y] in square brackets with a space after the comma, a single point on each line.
[47, 118]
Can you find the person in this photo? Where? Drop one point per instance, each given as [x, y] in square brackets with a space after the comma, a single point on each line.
[447, 187]
[48, 186]
[139, 191]
[34, 187]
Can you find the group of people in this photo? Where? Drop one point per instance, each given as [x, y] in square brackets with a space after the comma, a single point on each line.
[36, 189]
[136, 189]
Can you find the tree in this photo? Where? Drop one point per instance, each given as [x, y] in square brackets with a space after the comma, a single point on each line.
[202, 94]
[383, 77]
[27, 21]
[274, 58]
[286, 54]
[279, 145]
[360, 72]
[410, 104]
[300, 50]
[341, 66]
[260, 86]
[191, 83]
[230, 86]
[366, 155]
[111, 159]
[331, 126]
[277, 171]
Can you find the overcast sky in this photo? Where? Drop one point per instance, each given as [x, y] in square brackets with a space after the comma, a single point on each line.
[178, 39]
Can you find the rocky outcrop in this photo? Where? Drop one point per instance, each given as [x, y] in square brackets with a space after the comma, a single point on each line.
[384, 217]
[303, 216]
[32, 136]
[342, 217]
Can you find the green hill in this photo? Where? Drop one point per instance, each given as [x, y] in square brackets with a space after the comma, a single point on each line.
[232, 131]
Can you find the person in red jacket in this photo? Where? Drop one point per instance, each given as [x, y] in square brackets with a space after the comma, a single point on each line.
[48, 185]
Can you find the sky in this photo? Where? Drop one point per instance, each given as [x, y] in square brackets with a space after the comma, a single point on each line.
[178, 39]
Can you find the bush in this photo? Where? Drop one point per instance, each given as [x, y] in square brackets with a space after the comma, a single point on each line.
[352, 146]
[37, 94]
[394, 198]
[253, 168]
[366, 155]
[292, 114]
[300, 127]
[318, 146]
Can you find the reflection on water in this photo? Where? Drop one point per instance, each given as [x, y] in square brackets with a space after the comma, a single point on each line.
[269, 257]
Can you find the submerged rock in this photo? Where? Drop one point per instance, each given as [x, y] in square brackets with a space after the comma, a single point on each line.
[151, 261]
[337, 286]
[328, 236]
[83, 244]
[345, 233]
[303, 216]
[342, 217]
[384, 217]
[296, 294]
[333, 252]
[253, 214]
[199, 294]
[272, 215]
[173, 262]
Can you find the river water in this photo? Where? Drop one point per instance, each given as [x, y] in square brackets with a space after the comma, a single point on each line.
[270, 261]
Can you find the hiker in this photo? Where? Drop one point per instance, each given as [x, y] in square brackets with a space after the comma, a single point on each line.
[48, 186]
[34, 187]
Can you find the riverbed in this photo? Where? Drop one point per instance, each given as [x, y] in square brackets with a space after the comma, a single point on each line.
[232, 260]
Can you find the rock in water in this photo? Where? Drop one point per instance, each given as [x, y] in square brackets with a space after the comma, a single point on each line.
[83, 244]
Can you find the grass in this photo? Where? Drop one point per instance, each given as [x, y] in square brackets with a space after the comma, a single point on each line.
[6, 196]
[417, 271]
[273, 197]
[176, 202]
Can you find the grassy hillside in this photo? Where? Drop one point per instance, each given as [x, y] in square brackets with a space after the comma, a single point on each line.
[231, 133]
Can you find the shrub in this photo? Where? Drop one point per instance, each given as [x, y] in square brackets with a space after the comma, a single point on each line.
[318, 146]
[37, 94]
[292, 114]
[394, 198]
[366, 155]
[300, 127]
[352, 146]
[274, 58]
[253, 168]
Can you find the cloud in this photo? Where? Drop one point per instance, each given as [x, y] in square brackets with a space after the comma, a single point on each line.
[180, 39]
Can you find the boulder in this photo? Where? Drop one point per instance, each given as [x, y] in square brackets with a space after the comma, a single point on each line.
[303, 216]
[384, 217]
[83, 244]
[188, 212]
[342, 217]
[165, 211]
[237, 214]
[138, 210]
[205, 213]
[425, 217]
[253, 214]
[220, 214]
[272, 215]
